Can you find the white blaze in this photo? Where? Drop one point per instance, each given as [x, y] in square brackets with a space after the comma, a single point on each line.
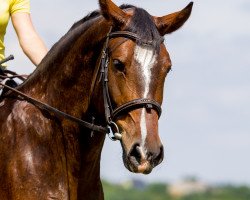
[146, 58]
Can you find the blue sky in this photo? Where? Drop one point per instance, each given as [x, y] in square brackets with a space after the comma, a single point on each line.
[205, 124]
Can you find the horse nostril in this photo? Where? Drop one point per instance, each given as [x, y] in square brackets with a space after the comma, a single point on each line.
[136, 155]
[156, 158]
[159, 157]
[135, 152]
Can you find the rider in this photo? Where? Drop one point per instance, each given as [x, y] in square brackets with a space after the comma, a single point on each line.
[30, 42]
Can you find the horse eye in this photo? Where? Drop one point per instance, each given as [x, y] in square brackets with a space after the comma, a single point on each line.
[119, 65]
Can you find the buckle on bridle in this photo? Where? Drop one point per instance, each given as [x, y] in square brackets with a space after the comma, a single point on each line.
[113, 128]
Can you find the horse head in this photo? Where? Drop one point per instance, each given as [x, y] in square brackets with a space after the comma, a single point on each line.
[137, 70]
[114, 64]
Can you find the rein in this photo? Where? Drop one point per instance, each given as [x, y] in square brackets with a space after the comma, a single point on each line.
[56, 112]
[110, 113]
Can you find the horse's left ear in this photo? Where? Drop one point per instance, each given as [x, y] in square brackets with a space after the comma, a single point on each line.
[172, 22]
[113, 13]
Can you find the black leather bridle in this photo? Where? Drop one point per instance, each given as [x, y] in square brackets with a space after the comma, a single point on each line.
[110, 114]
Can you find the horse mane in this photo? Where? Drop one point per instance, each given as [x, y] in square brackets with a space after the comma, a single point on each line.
[94, 14]
[78, 28]
[142, 24]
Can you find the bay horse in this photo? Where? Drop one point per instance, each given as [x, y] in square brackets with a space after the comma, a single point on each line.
[107, 71]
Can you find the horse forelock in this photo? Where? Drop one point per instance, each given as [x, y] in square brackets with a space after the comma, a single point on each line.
[143, 25]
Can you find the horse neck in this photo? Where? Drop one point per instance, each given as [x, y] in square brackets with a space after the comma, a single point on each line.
[63, 80]
[64, 77]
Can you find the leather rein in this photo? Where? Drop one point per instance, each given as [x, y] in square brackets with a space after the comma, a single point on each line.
[110, 114]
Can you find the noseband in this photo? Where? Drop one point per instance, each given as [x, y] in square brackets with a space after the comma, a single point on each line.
[112, 114]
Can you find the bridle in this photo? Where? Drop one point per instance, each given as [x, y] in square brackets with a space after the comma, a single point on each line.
[111, 114]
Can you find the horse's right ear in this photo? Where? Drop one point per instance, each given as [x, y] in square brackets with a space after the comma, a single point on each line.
[170, 23]
[113, 13]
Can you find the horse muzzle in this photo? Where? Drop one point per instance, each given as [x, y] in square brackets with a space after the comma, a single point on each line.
[141, 160]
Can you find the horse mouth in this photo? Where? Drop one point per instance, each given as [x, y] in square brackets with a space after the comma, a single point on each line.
[135, 166]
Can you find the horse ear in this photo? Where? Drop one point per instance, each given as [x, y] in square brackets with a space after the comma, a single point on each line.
[172, 22]
[112, 12]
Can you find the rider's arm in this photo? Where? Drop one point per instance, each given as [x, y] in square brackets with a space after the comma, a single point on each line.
[29, 40]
